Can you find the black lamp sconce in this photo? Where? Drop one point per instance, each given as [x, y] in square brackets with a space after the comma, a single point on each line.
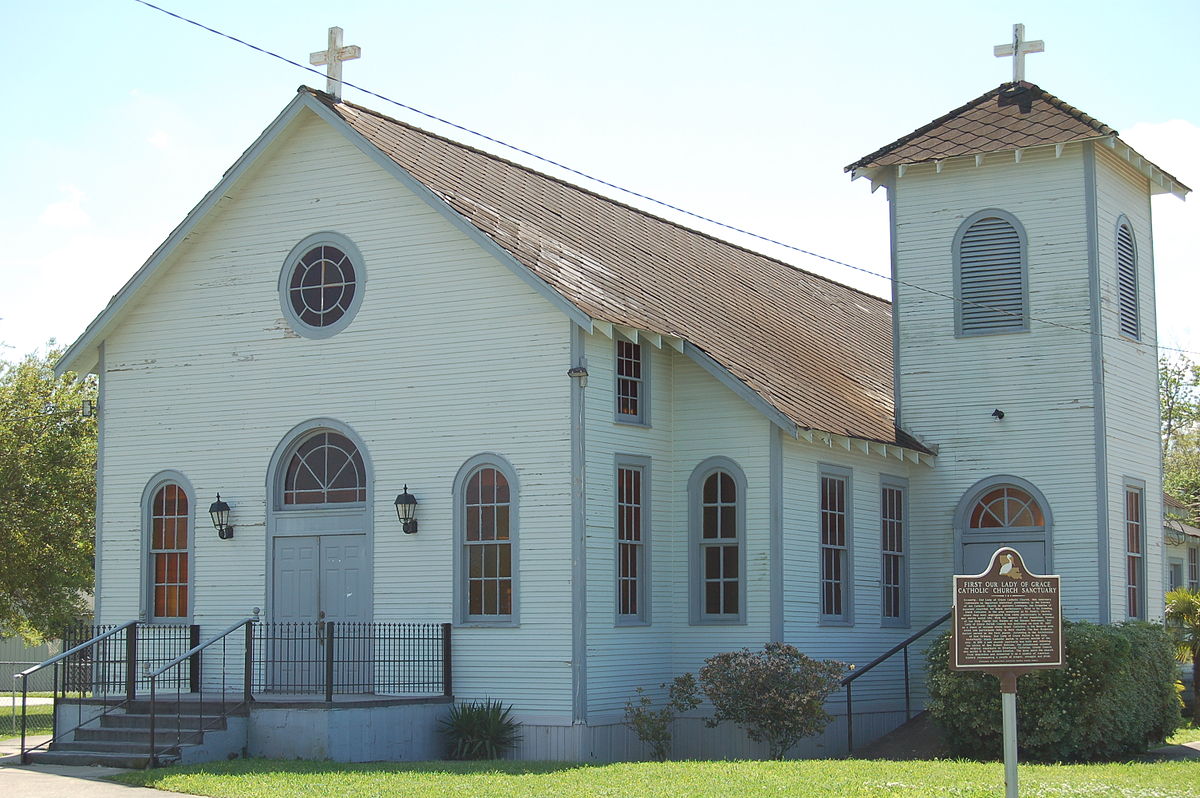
[406, 512]
[219, 511]
[998, 414]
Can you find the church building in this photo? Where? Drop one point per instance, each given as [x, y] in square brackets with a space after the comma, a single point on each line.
[434, 386]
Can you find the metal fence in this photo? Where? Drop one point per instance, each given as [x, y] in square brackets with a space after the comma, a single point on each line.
[101, 669]
[327, 658]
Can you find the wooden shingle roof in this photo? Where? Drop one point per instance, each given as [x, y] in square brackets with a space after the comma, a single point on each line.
[1009, 117]
[817, 351]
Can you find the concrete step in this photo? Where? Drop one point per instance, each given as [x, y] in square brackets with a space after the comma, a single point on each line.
[139, 736]
[104, 759]
[101, 747]
[162, 721]
[232, 706]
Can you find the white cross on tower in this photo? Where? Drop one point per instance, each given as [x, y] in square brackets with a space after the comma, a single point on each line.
[333, 57]
[1017, 50]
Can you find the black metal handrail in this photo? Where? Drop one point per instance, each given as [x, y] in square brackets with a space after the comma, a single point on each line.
[130, 678]
[902, 646]
[196, 683]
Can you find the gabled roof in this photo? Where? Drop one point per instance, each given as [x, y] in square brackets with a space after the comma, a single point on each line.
[1012, 116]
[810, 353]
[815, 350]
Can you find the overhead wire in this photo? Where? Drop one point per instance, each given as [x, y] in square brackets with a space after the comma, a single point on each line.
[654, 200]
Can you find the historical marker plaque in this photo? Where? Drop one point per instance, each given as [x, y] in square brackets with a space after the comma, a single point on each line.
[1006, 618]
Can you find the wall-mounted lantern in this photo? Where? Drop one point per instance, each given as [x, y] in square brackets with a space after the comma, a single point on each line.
[406, 512]
[219, 511]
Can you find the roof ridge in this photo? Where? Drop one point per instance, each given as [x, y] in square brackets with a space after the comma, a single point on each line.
[329, 100]
[1038, 91]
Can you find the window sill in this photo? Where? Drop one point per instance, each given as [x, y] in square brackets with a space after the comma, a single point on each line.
[624, 623]
[718, 622]
[958, 334]
[488, 625]
[844, 622]
[631, 422]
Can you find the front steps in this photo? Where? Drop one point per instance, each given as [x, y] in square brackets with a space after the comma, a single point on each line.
[185, 731]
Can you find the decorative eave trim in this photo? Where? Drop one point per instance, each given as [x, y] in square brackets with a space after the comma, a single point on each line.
[82, 356]
[871, 448]
[1161, 182]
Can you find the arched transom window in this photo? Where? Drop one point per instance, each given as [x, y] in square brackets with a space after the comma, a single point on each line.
[487, 541]
[325, 469]
[169, 519]
[1006, 506]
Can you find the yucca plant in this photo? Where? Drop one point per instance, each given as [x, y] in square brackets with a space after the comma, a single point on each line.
[1183, 620]
[480, 730]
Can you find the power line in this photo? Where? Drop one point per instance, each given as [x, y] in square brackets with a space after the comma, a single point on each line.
[648, 198]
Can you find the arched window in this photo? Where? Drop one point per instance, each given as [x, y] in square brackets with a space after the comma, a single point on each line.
[717, 492]
[1002, 510]
[1006, 506]
[326, 468]
[169, 517]
[486, 513]
[990, 271]
[1127, 283]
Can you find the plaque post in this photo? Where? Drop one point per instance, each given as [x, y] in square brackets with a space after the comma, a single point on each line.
[1008, 706]
[1007, 621]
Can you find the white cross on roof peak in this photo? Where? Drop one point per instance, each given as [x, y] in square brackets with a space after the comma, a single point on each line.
[332, 57]
[1018, 49]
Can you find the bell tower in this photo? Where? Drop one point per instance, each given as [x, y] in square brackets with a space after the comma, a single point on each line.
[1024, 342]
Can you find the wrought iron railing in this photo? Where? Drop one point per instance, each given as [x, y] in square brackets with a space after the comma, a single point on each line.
[337, 658]
[225, 655]
[900, 648]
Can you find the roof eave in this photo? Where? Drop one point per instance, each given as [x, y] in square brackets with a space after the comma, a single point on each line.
[82, 356]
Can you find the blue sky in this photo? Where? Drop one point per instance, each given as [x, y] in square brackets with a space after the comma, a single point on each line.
[120, 118]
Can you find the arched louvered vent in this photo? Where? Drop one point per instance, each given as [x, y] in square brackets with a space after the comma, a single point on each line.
[1127, 294]
[991, 278]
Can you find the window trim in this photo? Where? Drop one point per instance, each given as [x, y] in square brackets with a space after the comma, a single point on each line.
[963, 534]
[465, 472]
[846, 618]
[642, 419]
[886, 482]
[1193, 568]
[1123, 221]
[956, 252]
[158, 481]
[696, 615]
[645, 591]
[360, 283]
[1137, 486]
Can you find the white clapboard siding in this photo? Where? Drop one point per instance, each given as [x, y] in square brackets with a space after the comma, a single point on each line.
[450, 355]
[1040, 379]
[1130, 372]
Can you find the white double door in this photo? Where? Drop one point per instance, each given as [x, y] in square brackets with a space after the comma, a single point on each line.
[319, 580]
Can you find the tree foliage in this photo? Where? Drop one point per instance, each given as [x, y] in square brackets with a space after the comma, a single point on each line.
[47, 497]
[1183, 622]
[1179, 396]
[777, 695]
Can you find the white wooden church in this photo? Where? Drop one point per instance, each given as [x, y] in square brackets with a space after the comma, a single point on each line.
[621, 445]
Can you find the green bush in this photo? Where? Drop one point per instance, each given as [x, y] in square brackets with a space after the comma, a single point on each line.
[653, 726]
[777, 695]
[480, 730]
[1115, 698]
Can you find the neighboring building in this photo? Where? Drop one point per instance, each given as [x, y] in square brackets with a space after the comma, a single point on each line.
[633, 445]
[1182, 541]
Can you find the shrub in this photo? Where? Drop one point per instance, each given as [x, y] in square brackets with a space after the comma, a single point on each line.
[1183, 624]
[777, 695]
[480, 730]
[1115, 698]
[653, 726]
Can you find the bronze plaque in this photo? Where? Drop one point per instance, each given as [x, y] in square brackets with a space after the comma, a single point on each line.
[1007, 618]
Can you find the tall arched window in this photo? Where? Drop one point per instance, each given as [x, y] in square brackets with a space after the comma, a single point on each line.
[1127, 282]
[485, 497]
[990, 272]
[717, 495]
[169, 517]
[326, 468]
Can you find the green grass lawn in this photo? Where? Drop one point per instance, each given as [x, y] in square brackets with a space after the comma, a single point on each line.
[258, 778]
[37, 720]
[1188, 733]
